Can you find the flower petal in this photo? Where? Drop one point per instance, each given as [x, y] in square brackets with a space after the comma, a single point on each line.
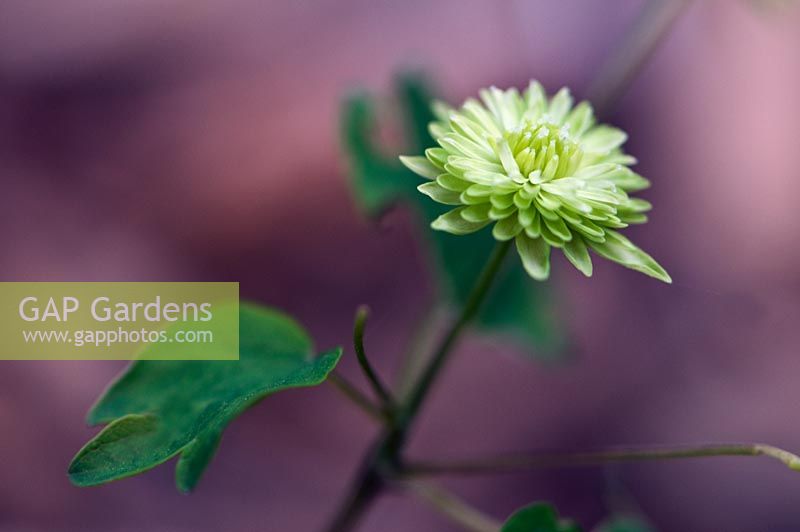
[451, 182]
[420, 166]
[507, 228]
[603, 139]
[483, 177]
[559, 228]
[441, 110]
[465, 164]
[476, 213]
[560, 105]
[456, 144]
[438, 156]
[502, 106]
[502, 201]
[453, 222]
[535, 100]
[535, 255]
[478, 113]
[439, 193]
[507, 159]
[622, 251]
[438, 129]
[576, 252]
[580, 119]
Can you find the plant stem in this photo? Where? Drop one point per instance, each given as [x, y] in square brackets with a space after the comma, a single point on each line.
[364, 490]
[384, 458]
[514, 463]
[649, 29]
[358, 342]
[632, 53]
[414, 357]
[453, 507]
[352, 393]
[423, 386]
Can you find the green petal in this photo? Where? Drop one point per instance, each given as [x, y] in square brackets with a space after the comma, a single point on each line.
[477, 112]
[502, 105]
[590, 230]
[507, 159]
[622, 251]
[621, 176]
[466, 127]
[439, 193]
[420, 166]
[506, 229]
[502, 201]
[560, 106]
[535, 255]
[522, 200]
[465, 164]
[547, 202]
[498, 214]
[527, 215]
[559, 228]
[603, 139]
[476, 213]
[453, 222]
[638, 205]
[532, 221]
[535, 100]
[482, 177]
[457, 145]
[550, 237]
[451, 182]
[469, 197]
[580, 119]
[631, 218]
[438, 156]
[438, 129]
[441, 110]
[576, 252]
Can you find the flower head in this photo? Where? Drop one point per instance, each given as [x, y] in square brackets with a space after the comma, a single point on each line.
[543, 172]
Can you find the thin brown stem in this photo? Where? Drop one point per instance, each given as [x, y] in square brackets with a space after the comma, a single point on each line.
[632, 53]
[414, 357]
[522, 462]
[356, 397]
[452, 507]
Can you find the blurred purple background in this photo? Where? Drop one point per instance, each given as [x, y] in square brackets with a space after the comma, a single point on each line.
[197, 140]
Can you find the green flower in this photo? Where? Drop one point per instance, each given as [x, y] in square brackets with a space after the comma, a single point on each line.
[543, 172]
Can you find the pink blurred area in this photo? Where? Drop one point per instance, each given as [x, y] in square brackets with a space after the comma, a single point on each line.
[198, 140]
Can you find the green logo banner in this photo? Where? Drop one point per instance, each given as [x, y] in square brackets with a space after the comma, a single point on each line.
[119, 321]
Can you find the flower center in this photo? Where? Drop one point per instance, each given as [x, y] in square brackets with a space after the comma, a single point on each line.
[544, 151]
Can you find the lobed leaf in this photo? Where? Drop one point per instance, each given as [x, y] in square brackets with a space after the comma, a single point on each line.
[158, 409]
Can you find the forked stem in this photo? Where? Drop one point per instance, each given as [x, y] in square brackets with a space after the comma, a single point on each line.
[369, 372]
[355, 396]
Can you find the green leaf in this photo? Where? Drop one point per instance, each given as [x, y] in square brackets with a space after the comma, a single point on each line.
[516, 306]
[538, 517]
[158, 409]
[625, 524]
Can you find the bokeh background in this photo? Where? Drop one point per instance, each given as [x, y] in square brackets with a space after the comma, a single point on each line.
[198, 140]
